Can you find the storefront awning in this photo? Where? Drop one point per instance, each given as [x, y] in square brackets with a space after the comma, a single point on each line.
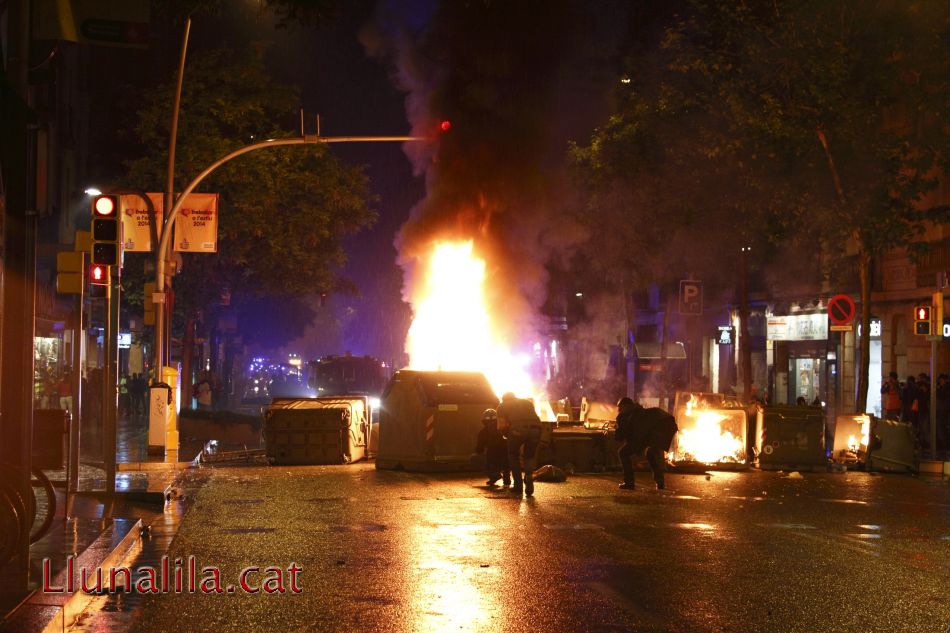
[653, 350]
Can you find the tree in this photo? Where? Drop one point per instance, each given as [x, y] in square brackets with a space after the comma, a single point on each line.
[283, 211]
[840, 105]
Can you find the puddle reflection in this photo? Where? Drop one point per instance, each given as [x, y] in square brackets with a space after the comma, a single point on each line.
[455, 587]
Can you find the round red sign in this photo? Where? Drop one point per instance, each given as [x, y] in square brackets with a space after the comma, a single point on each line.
[841, 309]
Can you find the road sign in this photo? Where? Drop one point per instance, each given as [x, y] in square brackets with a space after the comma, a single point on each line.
[841, 309]
[691, 297]
[841, 328]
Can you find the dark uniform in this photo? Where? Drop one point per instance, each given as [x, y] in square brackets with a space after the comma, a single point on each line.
[650, 430]
[523, 428]
[492, 442]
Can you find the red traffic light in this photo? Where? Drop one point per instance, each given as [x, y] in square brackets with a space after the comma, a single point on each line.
[105, 206]
[445, 126]
[99, 274]
[922, 313]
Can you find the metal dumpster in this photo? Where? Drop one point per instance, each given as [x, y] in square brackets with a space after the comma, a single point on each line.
[579, 449]
[790, 438]
[891, 446]
[315, 431]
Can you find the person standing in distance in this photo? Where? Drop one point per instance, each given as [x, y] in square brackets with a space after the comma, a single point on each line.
[518, 420]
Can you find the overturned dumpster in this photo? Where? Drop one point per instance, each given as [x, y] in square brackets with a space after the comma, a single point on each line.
[892, 446]
[790, 438]
[429, 420]
[316, 430]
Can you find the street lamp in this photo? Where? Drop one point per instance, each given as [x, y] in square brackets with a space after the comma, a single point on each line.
[92, 191]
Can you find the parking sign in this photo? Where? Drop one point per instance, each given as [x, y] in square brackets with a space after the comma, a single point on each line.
[691, 296]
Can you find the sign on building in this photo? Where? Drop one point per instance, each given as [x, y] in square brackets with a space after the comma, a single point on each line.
[797, 327]
[727, 335]
[691, 297]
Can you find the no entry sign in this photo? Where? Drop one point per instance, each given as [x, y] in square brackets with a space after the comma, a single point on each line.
[841, 309]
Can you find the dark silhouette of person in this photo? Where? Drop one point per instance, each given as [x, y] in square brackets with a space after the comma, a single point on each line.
[647, 431]
[493, 443]
[522, 426]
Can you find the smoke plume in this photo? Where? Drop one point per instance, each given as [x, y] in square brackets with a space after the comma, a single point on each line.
[494, 70]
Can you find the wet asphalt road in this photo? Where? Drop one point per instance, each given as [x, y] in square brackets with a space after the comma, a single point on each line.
[394, 551]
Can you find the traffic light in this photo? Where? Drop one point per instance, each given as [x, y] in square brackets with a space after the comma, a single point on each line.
[105, 230]
[922, 320]
[98, 275]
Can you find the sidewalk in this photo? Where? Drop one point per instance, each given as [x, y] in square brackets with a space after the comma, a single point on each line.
[90, 514]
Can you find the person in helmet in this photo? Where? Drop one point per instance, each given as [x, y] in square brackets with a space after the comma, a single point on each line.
[492, 442]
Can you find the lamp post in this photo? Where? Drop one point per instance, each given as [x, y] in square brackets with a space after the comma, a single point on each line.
[161, 253]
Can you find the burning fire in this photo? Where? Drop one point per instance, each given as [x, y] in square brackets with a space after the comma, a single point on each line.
[452, 329]
[702, 437]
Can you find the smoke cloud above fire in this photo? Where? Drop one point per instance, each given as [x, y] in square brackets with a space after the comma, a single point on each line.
[495, 71]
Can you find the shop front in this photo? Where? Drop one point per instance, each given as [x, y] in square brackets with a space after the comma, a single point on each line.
[802, 363]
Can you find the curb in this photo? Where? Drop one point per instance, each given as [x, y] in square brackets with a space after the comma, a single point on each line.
[52, 612]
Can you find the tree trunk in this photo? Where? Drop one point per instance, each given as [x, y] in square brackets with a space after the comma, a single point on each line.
[745, 344]
[864, 270]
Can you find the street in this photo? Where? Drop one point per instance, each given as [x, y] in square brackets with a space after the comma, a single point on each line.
[396, 551]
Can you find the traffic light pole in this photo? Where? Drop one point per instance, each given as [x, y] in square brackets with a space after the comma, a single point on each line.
[161, 254]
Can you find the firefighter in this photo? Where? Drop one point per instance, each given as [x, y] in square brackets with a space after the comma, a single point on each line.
[518, 420]
[643, 430]
[492, 442]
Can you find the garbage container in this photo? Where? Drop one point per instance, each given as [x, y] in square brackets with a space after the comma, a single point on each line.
[50, 427]
[790, 438]
[892, 446]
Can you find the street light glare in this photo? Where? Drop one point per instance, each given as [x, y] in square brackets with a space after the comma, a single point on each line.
[92, 191]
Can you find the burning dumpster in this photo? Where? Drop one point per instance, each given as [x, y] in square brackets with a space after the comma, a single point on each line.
[712, 431]
[851, 433]
[790, 438]
[316, 430]
[429, 420]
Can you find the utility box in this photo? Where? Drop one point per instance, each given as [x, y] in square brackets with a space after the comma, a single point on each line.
[429, 420]
[790, 438]
[891, 446]
[316, 430]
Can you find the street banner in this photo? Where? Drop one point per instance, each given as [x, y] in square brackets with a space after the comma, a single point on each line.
[196, 229]
[136, 232]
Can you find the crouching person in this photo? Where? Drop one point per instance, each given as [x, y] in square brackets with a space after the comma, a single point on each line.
[642, 431]
[492, 442]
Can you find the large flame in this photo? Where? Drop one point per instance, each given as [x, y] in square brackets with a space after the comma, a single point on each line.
[452, 329]
[702, 437]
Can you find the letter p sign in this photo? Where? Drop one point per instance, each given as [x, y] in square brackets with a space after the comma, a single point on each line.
[691, 297]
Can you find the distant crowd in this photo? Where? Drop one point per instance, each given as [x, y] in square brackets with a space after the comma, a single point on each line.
[909, 401]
